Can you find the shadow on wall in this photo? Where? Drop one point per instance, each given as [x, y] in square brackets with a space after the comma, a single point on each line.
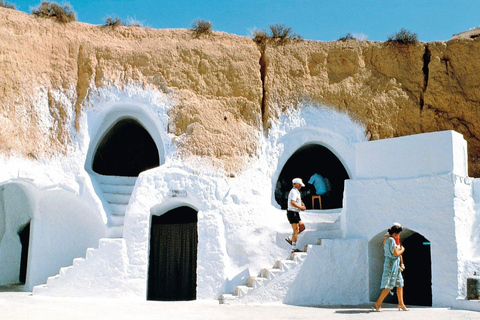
[418, 270]
[304, 163]
[15, 216]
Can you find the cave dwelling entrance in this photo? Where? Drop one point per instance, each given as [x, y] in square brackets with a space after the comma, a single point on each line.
[320, 169]
[120, 154]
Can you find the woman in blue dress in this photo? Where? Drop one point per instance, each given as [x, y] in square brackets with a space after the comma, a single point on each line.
[392, 275]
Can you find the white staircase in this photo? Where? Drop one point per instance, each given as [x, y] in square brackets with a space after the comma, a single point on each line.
[320, 224]
[265, 276]
[96, 272]
[116, 192]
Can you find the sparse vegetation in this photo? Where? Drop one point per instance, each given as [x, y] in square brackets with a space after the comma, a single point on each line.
[7, 5]
[403, 37]
[201, 27]
[259, 36]
[347, 37]
[113, 22]
[279, 34]
[134, 23]
[55, 11]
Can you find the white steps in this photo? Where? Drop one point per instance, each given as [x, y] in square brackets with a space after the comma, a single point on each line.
[78, 263]
[116, 192]
[266, 275]
[242, 291]
[320, 224]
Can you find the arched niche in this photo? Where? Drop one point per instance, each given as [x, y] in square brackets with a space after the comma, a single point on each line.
[418, 269]
[101, 129]
[126, 149]
[172, 267]
[308, 160]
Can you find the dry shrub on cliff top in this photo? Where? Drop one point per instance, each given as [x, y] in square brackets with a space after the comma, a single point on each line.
[347, 37]
[113, 22]
[201, 27]
[279, 34]
[7, 5]
[55, 11]
[259, 36]
[282, 34]
[403, 37]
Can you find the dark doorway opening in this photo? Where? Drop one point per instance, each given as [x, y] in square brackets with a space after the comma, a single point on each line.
[24, 234]
[304, 163]
[417, 275]
[126, 150]
[172, 271]
[418, 271]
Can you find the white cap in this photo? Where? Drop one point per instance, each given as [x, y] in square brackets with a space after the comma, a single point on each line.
[298, 180]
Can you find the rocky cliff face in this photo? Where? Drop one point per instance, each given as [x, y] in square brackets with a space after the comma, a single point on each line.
[227, 88]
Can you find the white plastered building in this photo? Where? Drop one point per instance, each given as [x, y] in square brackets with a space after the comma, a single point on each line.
[420, 181]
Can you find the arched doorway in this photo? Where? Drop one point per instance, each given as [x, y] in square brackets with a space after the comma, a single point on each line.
[125, 150]
[172, 270]
[418, 269]
[304, 163]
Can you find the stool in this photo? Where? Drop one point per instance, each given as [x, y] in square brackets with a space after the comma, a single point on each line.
[319, 201]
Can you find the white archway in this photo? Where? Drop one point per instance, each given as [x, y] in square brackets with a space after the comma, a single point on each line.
[115, 114]
[299, 138]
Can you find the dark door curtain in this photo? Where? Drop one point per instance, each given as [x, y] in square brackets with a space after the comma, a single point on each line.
[24, 234]
[172, 271]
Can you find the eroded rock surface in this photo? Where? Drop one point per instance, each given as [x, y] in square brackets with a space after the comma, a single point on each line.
[228, 89]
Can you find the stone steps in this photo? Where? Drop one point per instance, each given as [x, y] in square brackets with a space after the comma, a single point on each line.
[116, 193]
[265, 276]
[320, 224]
[76, 263]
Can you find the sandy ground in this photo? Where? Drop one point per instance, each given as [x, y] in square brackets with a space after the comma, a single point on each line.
[22, 305]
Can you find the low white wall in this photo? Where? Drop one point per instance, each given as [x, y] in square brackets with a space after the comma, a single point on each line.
[413, 156]
[334, 273]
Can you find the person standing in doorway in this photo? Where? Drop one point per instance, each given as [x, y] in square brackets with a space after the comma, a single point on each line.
[294, 206]
[392, 275]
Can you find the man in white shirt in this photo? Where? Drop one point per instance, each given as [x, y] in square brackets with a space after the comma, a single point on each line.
[294, 206]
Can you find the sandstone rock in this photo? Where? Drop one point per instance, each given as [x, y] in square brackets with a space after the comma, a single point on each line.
[227, 87]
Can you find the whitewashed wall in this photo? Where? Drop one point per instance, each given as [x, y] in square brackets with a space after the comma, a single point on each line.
[420, 181]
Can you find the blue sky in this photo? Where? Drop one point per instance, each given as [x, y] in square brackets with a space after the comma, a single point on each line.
[323, 20]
